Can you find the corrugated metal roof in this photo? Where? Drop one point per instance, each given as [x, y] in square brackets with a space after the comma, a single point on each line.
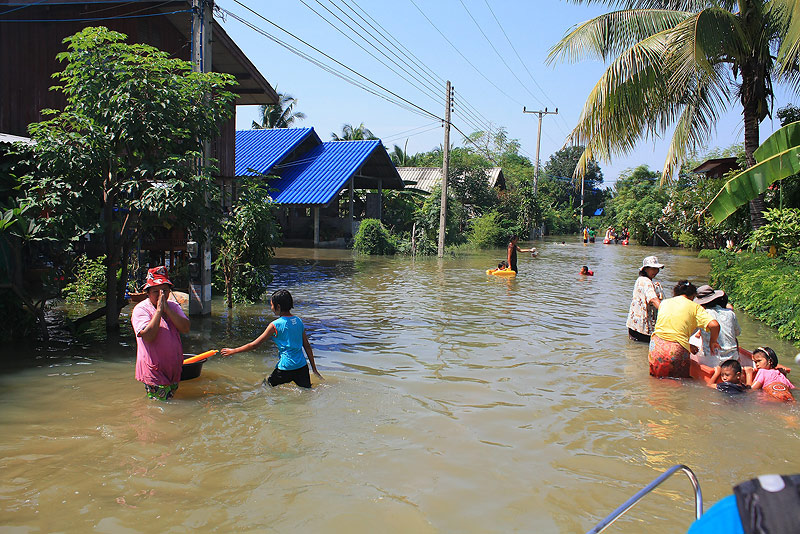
[426, 178]
[258, 151]
[8, 138]
[319, 174]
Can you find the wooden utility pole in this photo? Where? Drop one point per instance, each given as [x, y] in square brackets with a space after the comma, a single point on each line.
[445, 169]
[200, 261]
[538, 144]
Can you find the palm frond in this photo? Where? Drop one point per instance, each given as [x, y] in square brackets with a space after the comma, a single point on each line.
[612, 33]
[789, 51]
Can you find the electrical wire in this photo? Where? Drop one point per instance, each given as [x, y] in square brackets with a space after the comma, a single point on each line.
[100, 18]
[431, 94]
[336, 61]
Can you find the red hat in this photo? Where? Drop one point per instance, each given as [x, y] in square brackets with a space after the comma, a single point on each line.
[156, 276]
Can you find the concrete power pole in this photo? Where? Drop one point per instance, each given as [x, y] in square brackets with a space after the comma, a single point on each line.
[538, 144]
[199, 250]
[445, 170]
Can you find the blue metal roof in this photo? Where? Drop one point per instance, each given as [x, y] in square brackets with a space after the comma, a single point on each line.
[319, 174]
[258, 151]
[598, 211]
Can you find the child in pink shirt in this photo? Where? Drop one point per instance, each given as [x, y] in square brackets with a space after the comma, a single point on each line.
[766, 362]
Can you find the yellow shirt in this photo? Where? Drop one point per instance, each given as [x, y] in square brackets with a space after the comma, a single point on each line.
[678, 318]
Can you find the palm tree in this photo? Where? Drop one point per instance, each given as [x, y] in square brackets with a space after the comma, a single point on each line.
[679, 63]
[280, 115]
[349, 133]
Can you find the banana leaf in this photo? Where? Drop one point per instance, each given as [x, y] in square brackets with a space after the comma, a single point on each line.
[778, 157]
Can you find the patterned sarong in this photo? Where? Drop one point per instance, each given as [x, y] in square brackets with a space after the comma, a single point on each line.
[668, 358]
[160, 392]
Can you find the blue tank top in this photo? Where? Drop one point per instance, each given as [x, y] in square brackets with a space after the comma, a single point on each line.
[289, 338]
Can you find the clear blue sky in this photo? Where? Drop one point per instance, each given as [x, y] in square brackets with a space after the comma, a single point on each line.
[532, 26]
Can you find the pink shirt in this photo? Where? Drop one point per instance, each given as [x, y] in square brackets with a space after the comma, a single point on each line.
[158, 362]
[768, 376]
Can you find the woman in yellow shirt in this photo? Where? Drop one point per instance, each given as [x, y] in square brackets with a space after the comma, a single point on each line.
[678, 318]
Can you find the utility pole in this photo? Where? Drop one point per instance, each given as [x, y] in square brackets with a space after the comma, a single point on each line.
[199, 249]
[538, 144]
[445, 169]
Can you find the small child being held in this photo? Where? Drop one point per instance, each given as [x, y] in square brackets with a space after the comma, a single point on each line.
[766, 362]
[731, 375]
[503, 265]
[290, 337]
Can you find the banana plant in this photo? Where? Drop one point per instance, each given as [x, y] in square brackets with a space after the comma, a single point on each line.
[777, 158]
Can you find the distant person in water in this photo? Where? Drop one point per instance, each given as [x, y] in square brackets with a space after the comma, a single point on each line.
[585, 271]
[158, 325]
[513, 248]
[290, 337]
[592, 235]
[502, 265]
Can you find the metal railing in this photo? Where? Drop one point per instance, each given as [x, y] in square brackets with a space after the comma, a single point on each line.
[630, 503]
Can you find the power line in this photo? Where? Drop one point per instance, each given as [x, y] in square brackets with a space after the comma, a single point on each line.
[435, 98]
[462, 55]
[329, 69]
[337, 61]
[497, 52]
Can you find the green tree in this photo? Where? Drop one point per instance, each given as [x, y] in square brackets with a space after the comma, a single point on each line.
[350, 133]
[280, 115]
[124, 151]
[638, 203]
[681, 62]
[246, 242]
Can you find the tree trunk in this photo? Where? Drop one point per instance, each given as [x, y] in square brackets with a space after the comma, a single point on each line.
[112, 256]
[751, 121]
[228, 287]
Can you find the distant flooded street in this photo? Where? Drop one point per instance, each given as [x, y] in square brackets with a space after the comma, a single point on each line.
[453, 402]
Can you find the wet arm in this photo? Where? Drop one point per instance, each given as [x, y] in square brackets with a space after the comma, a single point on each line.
[180, 321]
[713, 329]
[266, 334]
[150, 332]
[310, 354]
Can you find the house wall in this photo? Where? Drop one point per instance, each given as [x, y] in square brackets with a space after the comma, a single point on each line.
[28, 61]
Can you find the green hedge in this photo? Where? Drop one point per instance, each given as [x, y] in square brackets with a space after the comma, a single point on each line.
[373, 238]
[767, 288]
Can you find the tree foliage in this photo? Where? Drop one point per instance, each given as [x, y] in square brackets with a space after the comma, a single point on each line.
[245, 243]
[280, 115]
[676, 65]
[124, 151]
[372, 238]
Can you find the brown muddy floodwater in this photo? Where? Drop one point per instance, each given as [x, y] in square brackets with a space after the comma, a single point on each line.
[453, 402]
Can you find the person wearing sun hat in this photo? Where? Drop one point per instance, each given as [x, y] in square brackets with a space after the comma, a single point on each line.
[647, 297]
[158, 324]
[715, 303]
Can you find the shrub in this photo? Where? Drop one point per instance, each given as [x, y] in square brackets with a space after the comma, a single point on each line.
[488, 231]
[90, 280]
[781, 231]
[373, 238]
[764, 287]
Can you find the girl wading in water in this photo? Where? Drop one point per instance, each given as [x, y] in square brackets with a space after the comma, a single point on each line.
[647, 297]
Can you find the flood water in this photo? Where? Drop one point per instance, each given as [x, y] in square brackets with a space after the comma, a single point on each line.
[453, 401]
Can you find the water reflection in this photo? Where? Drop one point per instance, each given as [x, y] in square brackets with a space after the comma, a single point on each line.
[453, 401]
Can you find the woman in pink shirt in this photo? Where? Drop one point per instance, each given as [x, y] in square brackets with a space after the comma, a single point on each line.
[158, 324]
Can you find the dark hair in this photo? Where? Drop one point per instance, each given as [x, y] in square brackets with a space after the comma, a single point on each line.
[732, 364]
[719, 301]
[513, 237]
[686, 288]
[772, 358]
[282, 299]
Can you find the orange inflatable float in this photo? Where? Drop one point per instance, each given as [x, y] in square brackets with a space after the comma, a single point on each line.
[202, 356]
